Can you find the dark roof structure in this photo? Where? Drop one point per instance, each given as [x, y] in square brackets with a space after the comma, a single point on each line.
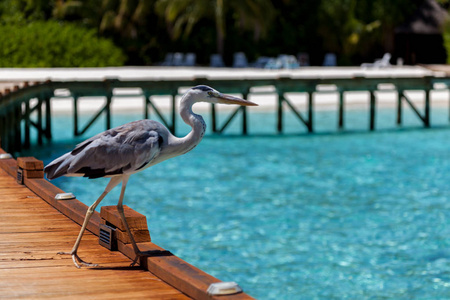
[429, 18]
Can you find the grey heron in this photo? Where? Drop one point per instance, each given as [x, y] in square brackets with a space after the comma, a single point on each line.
[122, 151]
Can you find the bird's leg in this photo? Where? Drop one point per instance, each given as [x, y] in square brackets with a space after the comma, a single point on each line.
[76, 259]
[124, 220]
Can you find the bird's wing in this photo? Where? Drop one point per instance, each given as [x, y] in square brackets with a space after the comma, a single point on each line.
[120, 150]
[123, 149]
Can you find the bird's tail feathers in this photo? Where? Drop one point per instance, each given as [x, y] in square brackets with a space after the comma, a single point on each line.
[58, 167]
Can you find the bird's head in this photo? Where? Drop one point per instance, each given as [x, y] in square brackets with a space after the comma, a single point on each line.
[203, 93]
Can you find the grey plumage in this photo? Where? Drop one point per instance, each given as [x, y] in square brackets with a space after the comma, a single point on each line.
[130, 148]
[124, 149]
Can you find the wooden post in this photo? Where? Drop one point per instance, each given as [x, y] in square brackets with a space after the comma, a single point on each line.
[18, 128]
[8, 132]
[372, 110]
[174, 95]
[27, 142]
[108, 109]
[137, 222]
[48, 118]
[310, 111]
[213, 118]
[244, 120]
[39, 121]
[3, 131]
[244, 116]
[75, 115]
[426, 118]
[399, 107]
[11, 133]
[29, 167]
[280, 112]
[341, 110]
[146, 102]
[12, 130]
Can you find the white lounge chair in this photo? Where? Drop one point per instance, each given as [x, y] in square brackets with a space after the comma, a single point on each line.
[190, 59]
[216, 61]
[329, 60]
[379, 63]
[240, 60]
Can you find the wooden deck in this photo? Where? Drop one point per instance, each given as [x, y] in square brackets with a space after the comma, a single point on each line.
[32, 231]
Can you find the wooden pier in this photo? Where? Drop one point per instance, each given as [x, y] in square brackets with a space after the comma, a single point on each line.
[18, 114]
[34, 227]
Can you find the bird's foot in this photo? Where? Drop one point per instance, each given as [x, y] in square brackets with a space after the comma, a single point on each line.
[137, 258]
[139, 255]
[77, 260]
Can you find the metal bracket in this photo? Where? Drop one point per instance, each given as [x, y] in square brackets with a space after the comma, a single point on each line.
[5, 156]
[64, 196]
[107, 237]
[223, 288]
[19, 175]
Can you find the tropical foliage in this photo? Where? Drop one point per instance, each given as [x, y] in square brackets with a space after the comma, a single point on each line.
[50, 44]
[145, 30]
[182, 15]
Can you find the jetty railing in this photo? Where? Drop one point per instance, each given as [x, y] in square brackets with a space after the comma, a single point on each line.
[16, 105]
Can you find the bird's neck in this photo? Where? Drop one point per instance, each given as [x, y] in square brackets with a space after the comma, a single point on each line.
[195, 121]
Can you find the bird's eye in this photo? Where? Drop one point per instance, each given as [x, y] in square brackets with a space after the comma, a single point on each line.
[211, 94]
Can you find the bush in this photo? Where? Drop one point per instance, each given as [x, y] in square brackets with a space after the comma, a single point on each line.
[446, 37]
[52, 44]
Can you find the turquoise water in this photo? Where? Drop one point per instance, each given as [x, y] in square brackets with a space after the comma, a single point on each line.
[352, 215]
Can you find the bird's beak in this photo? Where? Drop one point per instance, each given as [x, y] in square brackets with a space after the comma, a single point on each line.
[227, 99]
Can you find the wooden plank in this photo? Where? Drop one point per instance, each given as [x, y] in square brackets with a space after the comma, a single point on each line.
[30, 163]
[8, 165]
[173, 270]
[73, 209]
[31, 268]
[33, 173]
[140, 236]
[111, 282]
[135, 220]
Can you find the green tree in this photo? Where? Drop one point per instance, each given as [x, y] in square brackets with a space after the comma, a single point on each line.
[82, 12]
[132, 24]
[21, 11]
[125, 16]
[182, 15]
[52, 44]
[356, 28]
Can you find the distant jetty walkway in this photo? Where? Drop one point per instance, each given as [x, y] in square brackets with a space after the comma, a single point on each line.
[27, 95]
[34, 226]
